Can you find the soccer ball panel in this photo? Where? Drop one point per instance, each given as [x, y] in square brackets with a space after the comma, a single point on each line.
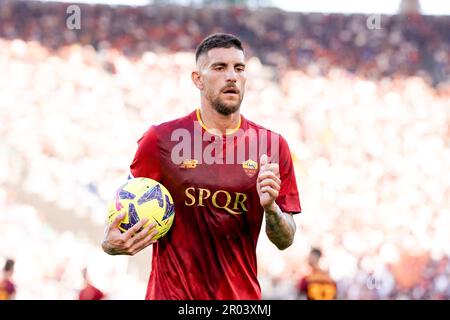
[140, 198]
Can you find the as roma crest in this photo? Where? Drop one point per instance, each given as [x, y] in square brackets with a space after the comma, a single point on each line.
[250, 167]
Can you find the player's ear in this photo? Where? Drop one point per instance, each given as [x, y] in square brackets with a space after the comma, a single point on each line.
[197, 79]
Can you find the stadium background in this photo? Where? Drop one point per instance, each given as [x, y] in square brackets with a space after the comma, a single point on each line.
[365, 110]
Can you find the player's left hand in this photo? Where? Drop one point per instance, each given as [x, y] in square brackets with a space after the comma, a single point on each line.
[268, 183]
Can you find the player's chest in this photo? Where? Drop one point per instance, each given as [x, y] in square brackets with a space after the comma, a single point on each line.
[224, 183]
[230, 177]
[210, 167]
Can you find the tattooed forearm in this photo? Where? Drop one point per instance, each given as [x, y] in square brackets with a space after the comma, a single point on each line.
[280, 227]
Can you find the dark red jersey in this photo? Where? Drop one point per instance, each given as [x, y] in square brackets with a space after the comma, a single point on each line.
[7, 289]
[318, 285]
[210, 252]
[89, 292]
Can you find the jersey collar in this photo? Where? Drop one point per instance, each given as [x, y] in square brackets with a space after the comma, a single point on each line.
[199, 119]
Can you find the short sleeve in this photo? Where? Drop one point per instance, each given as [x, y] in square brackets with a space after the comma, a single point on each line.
[146, 161]
[288, 198]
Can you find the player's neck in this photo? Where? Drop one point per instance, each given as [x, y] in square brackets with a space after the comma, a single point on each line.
[316, 268]
[214, 120]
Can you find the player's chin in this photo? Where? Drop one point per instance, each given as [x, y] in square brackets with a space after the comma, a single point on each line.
[232, 105]
[227, 107]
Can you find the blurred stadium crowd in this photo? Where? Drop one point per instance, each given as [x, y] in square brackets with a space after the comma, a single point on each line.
[406, 45]
[366, 114]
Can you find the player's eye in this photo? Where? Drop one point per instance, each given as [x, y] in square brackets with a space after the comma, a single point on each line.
[220, 68]
[240, 69]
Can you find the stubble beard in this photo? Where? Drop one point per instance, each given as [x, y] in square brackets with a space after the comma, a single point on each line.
[225, 108]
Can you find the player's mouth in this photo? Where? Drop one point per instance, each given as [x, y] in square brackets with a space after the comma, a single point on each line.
[231, 91]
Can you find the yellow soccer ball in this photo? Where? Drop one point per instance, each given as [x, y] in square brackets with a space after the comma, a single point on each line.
[143, 198]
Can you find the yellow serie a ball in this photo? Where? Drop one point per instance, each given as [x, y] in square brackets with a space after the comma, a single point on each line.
[143, 198]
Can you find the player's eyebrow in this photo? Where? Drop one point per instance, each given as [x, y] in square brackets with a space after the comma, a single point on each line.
[218, 64]
[223, 64]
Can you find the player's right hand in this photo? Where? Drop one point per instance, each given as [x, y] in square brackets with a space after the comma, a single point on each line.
[130, 242]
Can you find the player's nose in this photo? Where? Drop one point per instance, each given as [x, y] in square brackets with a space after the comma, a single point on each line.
[231, 75]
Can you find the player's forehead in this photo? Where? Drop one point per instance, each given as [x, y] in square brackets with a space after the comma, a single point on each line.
[230, 55]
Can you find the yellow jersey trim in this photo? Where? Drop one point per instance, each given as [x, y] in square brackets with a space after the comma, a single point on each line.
[199, 118]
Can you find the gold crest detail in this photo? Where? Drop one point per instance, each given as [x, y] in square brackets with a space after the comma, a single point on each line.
[250, 167]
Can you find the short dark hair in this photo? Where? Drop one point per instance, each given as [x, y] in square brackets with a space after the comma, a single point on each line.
[316, 252]
[218, 40]
[9, 265]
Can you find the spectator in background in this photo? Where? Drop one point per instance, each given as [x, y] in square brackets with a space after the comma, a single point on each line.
[7, 287]
[89, 291]
[317, 285]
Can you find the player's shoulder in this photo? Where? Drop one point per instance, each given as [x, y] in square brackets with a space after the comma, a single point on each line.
[263, 130]
[161, 130]
[255, 126]
[181, 122]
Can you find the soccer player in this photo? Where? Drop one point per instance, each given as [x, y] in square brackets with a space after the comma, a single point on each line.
[7, 287]
[225, 174]
[317, 285]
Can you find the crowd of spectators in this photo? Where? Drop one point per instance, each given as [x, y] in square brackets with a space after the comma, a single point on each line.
[49, 264]
[371, 154]
[401, 44]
